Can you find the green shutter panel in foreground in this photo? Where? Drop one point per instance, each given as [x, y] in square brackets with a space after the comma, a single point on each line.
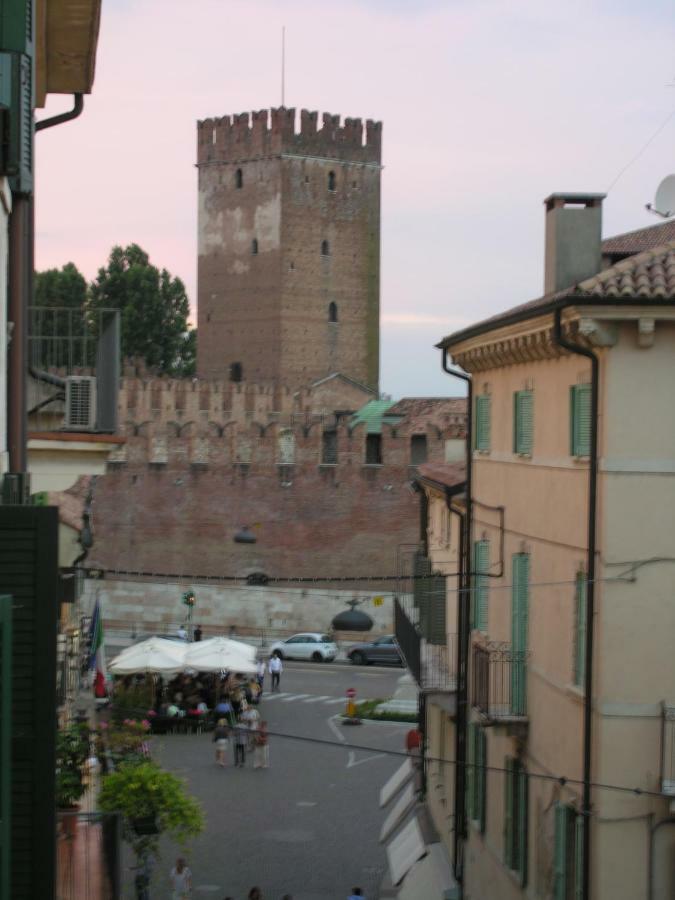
[580, 420]
[481, 775]
[483, 411]
[580, 636]
[560, 853]
[523, 422]
[481, 563]
[578, 857]
[508, 812]
[519, 628]
[470, 771]
[522, 788]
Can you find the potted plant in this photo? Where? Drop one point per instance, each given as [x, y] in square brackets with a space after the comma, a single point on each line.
[72, 750]
[152, 802]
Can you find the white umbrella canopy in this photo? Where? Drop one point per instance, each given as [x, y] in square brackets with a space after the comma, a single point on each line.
[154, 655]
[219, 654]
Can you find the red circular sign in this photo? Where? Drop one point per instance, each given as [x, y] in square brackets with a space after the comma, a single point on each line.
[351, 692]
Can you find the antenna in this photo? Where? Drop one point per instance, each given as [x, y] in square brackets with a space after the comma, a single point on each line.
[664, 201]
[283, 64]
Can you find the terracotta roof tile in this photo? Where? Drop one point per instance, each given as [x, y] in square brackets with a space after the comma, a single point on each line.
[448, 474]
[639, 240]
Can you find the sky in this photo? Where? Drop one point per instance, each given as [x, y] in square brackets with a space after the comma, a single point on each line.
[488, 106]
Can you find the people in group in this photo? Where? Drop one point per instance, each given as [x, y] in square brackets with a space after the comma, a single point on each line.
[198, 633]
[181, 880]
[181, 632]
[241, 739]
[260, 674]
[220, 737]
[255, 894]
[275, 668]
[261, 749]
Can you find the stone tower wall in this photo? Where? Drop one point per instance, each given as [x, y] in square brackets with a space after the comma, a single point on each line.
[265, 278]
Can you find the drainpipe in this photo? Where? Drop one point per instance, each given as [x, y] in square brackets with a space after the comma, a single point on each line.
[590, 594]
[652, 853]
[78, 106]
[462, 633]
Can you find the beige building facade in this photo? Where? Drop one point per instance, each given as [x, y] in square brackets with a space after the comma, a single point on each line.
[568, 723]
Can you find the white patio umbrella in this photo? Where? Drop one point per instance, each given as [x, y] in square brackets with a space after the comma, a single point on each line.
[154, 655]
[219, 654]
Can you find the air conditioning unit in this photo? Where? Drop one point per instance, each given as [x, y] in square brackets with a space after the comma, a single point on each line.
[80, 403]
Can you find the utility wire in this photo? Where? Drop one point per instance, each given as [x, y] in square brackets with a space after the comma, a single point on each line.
[644, 147]
[562, 780]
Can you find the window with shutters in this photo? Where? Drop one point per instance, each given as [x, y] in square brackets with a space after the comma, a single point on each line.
[476, 775]
[520, 602]
[580, 420]
[482, 428]
[479, 594]
[567, 850]
[515, 817]
[580, 629]
[523, 422]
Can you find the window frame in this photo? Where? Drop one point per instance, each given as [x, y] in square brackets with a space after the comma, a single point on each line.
[516, 801]
[483, 419]
[580, 420]
[523, 422]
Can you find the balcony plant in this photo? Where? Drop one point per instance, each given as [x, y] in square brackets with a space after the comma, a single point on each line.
[72, 751]
[152, 803]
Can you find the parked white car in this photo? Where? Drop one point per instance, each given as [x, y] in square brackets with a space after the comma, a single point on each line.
[318, 647]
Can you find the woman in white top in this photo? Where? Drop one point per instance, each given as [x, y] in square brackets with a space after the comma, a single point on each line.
[181, 880]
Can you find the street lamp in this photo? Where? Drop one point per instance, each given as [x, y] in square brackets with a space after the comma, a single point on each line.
[352, 619]
[245, 536]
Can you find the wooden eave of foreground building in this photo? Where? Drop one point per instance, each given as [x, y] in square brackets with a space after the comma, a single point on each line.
[66, 39]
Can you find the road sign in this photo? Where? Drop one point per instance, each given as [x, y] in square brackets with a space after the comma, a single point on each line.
[351, 692]
[378, 601]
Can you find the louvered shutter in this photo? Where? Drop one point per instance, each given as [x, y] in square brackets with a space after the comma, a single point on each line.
[522, 784]
[580, 429]
[580, 636]
[436, 632]
[560, 853]
[470, 770]
[483, 411]
[524, 422]
[481, 563]
[519, 629]
[508, 812]
[578, 857]
[481, 774]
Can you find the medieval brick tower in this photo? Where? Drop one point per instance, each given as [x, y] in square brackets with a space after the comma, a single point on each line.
[289, 248]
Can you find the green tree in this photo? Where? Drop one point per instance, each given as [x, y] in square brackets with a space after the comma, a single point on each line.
[65, 287]
[154, 309]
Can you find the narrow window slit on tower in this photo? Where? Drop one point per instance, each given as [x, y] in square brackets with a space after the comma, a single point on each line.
[238, 179]
[325, 248]
[332, 312]
[236, 371]
[331, 181]
[254, 246]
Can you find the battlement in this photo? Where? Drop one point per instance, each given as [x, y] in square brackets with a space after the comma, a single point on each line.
[272, 132]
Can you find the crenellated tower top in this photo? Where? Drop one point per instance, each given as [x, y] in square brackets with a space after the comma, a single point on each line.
[273, 132]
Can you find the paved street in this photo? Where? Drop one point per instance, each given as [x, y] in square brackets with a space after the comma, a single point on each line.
[309, 825]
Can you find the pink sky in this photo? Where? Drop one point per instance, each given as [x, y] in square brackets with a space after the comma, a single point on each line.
[487, 108]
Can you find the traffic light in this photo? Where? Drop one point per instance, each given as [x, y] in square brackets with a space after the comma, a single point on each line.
[189, 598]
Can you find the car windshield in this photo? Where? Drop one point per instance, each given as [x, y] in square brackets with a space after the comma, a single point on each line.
[326, 638]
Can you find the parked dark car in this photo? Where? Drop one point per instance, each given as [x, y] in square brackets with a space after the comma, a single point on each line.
[383, 650]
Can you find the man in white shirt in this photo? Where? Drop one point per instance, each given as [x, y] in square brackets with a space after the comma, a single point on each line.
[275, 669]
[182, 633]
[260, 674]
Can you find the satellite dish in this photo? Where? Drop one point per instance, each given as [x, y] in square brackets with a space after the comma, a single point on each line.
[664, 201]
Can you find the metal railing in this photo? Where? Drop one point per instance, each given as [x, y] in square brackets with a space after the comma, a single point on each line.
[408, 639]
[432, 665]
[88, 856]
[499, 682]
[439, 665]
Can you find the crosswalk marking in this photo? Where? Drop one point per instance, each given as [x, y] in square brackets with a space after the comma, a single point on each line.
[275, 696]
[335, 700]
[317, 699]
[295, 697]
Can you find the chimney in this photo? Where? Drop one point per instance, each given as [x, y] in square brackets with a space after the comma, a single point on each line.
[573, 238]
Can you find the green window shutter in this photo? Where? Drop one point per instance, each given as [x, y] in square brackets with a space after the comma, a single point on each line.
[522, 783]
[580, 416]
[520, 590]
[479, 598]
[470, 771]
[523, 422]
[508, 812]
[578, 857]
[483, 415]
[481, 776]
[580, 635]
[560, 853]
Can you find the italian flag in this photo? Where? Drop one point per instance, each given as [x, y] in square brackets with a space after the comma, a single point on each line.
[97, 651]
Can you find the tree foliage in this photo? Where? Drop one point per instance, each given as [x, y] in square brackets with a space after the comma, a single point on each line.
[153, 306]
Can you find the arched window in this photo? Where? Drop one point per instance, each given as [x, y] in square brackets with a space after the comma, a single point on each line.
[325, 248]
[332, 312]
[331, 181]
[236, 371]
[238, 179]
[254, 246]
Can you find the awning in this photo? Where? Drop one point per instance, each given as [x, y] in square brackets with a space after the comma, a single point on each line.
[405, 849]
[431, 878]
[400, 777]
[399, 810]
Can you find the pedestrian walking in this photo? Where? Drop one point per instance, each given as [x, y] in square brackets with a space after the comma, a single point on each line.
[181, 880]
[261, 748]
[241, 739]
[220, 736]
[198, 633]
[356, 894]
[255, 894]
[260, 675]
[182, 633]
[275, 669]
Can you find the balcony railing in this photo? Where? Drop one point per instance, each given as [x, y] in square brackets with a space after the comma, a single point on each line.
[433, 666]
[499, 682]
[88, 856]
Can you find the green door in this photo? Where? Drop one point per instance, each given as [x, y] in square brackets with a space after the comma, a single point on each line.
[520, 598]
